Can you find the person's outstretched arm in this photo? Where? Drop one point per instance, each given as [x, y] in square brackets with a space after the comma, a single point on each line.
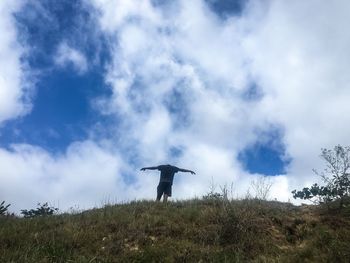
[186, 171]
[149, 168]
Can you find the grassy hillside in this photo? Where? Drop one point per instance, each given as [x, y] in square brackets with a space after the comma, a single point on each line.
[187, 231]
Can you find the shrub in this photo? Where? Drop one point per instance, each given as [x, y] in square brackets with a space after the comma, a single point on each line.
[213, 195]
[3, 208]
[41, 210]
[336, 176]
[261, 187]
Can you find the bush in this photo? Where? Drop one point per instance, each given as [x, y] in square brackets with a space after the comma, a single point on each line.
[3, 208]
[213, 195]
[336, 176]
[41, 210]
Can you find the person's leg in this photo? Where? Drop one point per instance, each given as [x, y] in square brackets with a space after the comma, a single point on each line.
[159, 192]
[167, 192]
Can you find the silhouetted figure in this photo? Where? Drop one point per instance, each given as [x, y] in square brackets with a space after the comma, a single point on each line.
[167, 173]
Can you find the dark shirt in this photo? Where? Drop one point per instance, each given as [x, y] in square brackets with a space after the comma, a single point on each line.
[167, 173]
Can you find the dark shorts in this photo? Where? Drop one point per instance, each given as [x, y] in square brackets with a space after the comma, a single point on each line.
[164, 187]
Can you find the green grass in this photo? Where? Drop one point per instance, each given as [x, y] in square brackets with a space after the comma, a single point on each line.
[182, 231]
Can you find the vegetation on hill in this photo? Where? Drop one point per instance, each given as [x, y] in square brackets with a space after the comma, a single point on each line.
[3, 208]
[200, 230]
[336, 177]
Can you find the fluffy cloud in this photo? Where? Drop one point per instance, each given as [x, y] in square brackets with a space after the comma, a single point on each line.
[86, 175]
[208, 64]
[301, 63]
[67, 55]
[177, 79]
[15, 85]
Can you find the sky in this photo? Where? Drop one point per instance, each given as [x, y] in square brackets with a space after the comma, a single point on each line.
[236, 90]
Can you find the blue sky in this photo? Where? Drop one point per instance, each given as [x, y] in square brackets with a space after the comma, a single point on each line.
[61, 110]
[235, 90]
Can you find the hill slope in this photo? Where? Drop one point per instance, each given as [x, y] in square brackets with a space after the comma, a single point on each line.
[186, 231]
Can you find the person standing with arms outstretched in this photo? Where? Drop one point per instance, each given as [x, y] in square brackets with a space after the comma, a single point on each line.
[167, 173]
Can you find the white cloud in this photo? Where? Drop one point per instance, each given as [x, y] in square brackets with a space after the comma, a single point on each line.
[299, 62]
[194, 53]
[67, 55]
[15, 85]
[302, 61]
[115, 14]
[85, 176]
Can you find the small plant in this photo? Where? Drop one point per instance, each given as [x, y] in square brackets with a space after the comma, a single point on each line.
[213, 195]
[261, 187]
[3, 208]
[336, 176]
[41, 210]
